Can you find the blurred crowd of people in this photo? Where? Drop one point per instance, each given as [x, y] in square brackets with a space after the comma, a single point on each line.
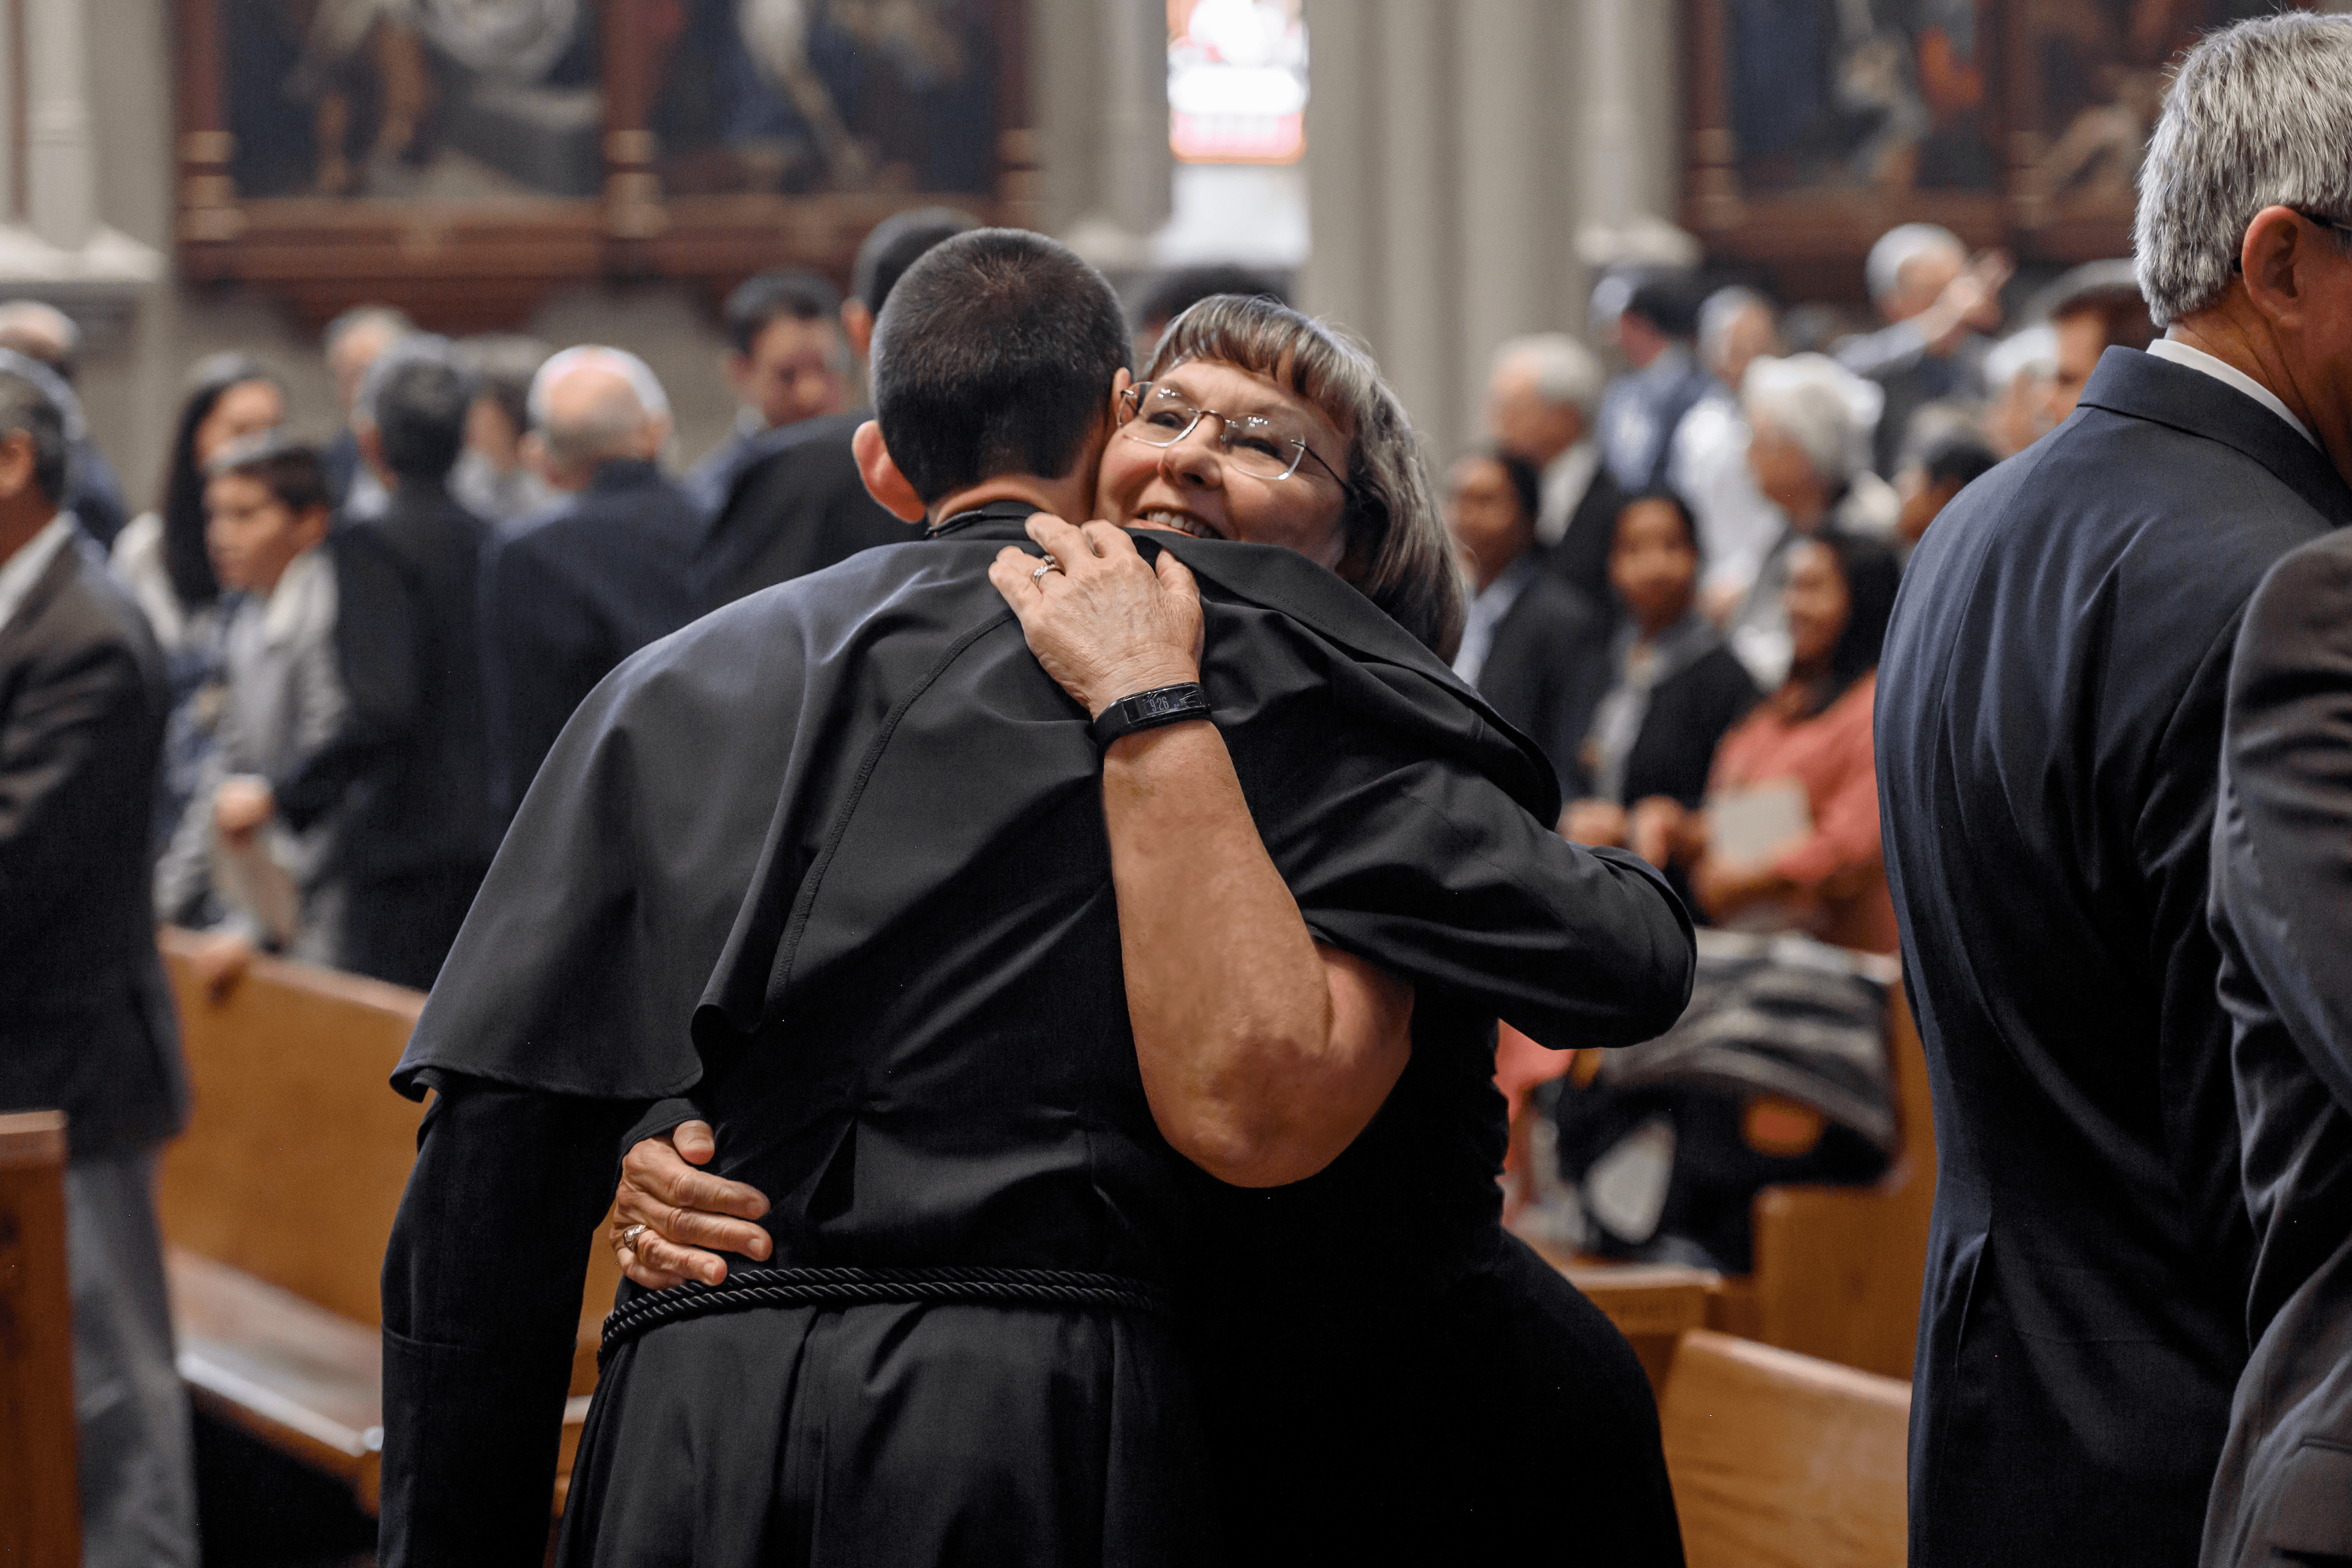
[1680, 549]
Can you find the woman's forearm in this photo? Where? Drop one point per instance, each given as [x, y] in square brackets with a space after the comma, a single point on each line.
[1263, 1055]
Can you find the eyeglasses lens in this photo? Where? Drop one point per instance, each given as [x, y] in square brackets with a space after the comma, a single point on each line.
[1264, 448]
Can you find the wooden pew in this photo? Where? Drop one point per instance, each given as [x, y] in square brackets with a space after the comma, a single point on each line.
[40, 1510]
[1782, 1460]
[1838, 1270]
[277, 1204]
[1652, 1304]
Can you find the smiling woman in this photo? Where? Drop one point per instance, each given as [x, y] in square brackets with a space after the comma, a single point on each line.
[1380, 528]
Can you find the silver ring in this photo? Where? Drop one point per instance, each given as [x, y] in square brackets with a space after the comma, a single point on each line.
[627, 1240]
[1038, 576]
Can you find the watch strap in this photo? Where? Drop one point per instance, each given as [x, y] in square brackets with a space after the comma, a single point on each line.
[1149, 709]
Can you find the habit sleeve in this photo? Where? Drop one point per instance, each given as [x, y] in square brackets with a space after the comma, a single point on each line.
[481, 1303]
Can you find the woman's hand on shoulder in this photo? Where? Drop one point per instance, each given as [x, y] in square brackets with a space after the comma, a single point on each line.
[1105, 623]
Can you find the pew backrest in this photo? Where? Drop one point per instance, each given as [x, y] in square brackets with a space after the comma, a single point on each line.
[1782, 1460]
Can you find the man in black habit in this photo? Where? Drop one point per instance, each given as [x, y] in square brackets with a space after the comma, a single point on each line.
[2050, 716]
[832, 862]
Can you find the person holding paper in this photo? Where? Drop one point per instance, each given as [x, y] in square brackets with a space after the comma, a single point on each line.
[1789, 833]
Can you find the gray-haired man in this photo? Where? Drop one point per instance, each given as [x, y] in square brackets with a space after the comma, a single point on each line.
[2049, 714]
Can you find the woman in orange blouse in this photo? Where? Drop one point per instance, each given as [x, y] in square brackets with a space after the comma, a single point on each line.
[1815, 731]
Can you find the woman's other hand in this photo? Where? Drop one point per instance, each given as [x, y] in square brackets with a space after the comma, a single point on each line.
[1593, 821]
[1105, 623]
[684, 1212]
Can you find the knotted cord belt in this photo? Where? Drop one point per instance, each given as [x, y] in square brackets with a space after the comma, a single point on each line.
[747, 1288]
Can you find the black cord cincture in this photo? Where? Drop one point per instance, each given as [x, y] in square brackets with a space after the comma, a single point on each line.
[749, 1288]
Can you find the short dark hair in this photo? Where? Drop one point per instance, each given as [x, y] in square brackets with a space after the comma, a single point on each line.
[896, 244]
[418, 395]
[790, 293]
[1871, 572]
[1668, 497]
[994, 355]
[1669, 303]
[1958, 461]
[186, 561]
[289, 471]
[1172, 294]
[1525, 480]
[27, 409]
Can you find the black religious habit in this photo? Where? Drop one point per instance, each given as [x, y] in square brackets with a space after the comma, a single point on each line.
[832, 863]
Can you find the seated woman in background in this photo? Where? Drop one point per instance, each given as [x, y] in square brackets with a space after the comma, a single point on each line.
[1675, 686]
[1531, 644]
[1819, 868]
[1777, 1072]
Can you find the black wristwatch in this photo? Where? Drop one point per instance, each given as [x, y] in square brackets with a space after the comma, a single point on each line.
[1149, 709]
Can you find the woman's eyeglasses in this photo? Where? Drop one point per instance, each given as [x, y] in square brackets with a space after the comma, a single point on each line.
[1261, 445]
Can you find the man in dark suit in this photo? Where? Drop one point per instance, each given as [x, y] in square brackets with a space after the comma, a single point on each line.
[787, 362]
[574, 590]
[411, 760]
[793, 503]
[48, 336]
[2050, 710]
[1542, 392]
[86, 1021]
[1531, 644]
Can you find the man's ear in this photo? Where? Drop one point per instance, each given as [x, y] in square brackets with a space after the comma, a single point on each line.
[857, 323]
[15, 464]
[883, 480]
[311, 526]
[1119, 386]
[371, 445]
[2276, 245]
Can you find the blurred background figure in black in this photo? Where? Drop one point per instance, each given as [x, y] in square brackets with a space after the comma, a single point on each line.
[93, 489]
[491, 478]
[607, 568]
[787, 361]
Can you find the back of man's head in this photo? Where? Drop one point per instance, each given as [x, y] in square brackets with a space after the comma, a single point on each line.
[416, 397]
[789, 293]
[995, 355]
[592, 405]
[896, 244]
[2260, 115]
[27, 409]
[43, 332]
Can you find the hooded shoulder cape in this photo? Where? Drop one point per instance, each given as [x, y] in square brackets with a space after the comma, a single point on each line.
[743, 807]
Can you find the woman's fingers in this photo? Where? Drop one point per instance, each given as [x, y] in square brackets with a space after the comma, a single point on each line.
[653, 1167]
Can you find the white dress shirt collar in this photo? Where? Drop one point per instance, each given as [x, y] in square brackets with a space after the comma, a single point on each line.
[1567, 478]
[2228, 375]
[21, 571]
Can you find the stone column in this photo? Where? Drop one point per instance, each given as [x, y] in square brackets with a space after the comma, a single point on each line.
[60, 166]
[1098, 101]
[1457, 151]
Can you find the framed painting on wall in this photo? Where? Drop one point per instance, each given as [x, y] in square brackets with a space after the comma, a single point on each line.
[463, 157]
[1816, 125]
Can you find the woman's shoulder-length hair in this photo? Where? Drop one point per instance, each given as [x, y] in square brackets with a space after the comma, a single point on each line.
[1399, 553]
